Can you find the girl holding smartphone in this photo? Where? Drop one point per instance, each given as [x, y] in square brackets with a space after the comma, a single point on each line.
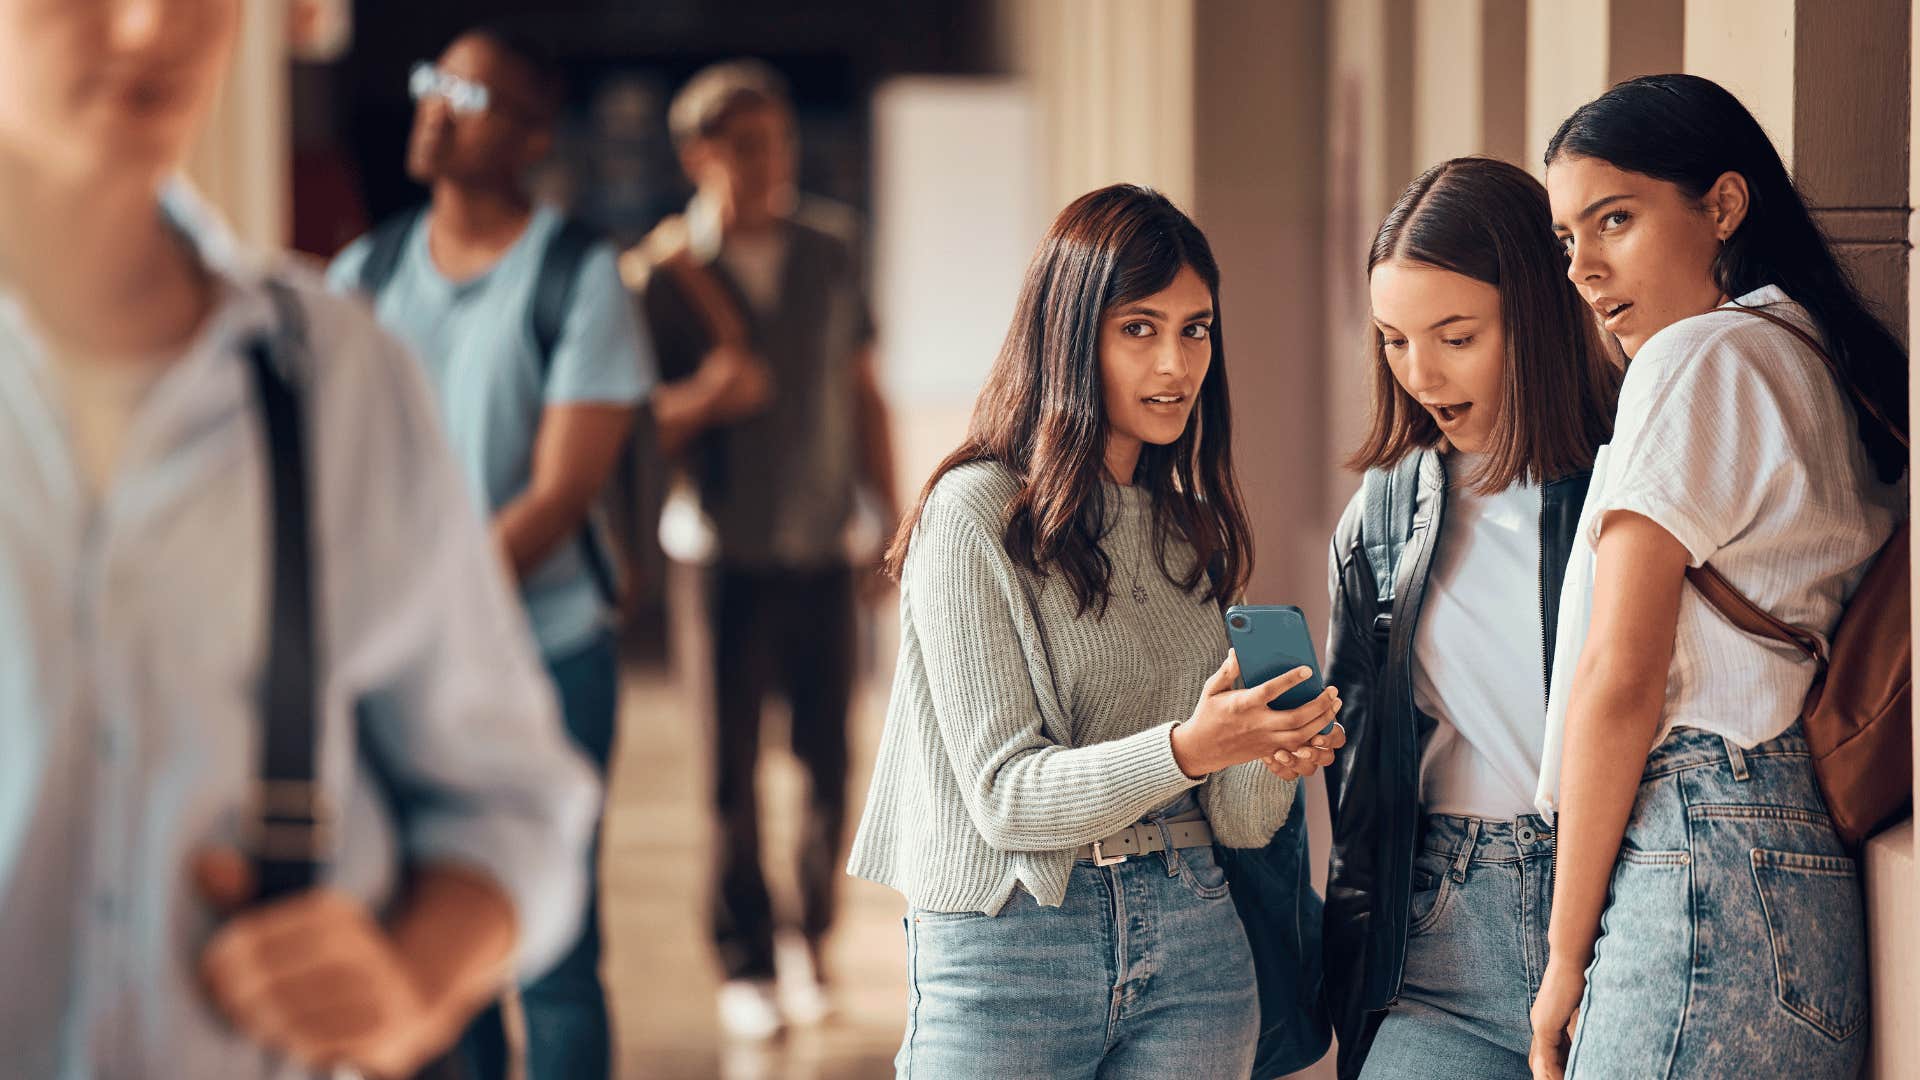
[1064, 745]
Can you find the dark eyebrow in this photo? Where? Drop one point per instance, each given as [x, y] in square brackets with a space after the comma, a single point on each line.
[1154, 313]
[1595, 207]
[1452, 319]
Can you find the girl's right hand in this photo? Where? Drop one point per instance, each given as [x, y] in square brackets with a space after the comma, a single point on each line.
[1231, 726]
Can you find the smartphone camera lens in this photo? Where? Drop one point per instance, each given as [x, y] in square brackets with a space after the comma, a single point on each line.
[1238, 622]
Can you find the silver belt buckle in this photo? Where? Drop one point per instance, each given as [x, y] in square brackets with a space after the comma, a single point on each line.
[1101, 858]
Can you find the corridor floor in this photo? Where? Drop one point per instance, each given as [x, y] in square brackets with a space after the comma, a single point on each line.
[659, 966]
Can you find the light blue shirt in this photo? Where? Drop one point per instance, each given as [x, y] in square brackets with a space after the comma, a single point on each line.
[133, 629]
[476, 340]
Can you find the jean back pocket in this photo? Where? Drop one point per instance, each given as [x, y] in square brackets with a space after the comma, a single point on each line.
[1817, 928]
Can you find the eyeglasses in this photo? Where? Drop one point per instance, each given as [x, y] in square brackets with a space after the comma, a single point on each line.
[463, 96]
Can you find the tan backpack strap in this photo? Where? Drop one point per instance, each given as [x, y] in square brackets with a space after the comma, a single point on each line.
[668, 249]
[1751, 617]
[1833, 368]
[1731, 602]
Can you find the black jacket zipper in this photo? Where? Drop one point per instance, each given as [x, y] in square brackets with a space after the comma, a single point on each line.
[1546, 678]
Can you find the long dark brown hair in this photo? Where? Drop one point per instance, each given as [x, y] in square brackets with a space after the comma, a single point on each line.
[1041, 415]
[1489, 220]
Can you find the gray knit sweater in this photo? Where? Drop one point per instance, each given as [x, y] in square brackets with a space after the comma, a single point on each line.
[1019, 730]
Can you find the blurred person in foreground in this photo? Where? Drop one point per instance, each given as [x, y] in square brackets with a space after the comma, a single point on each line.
[757, 287]
[139, 566]
[531, 346]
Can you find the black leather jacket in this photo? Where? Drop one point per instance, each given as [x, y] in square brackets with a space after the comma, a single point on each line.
[1373, 785]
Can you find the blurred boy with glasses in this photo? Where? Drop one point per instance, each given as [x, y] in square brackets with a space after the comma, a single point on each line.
[532, 347]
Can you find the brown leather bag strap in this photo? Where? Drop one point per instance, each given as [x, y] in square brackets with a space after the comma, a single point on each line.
[1833, 368]
[668, 250]
[1751, 617]
[709, 299]
[1718, 591]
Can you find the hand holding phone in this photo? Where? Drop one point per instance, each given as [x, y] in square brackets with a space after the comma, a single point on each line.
[1270, 641]
[1285, 720]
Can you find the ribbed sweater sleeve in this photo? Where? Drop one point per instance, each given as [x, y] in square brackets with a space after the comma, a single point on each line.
[991, 692]
[1246, 804]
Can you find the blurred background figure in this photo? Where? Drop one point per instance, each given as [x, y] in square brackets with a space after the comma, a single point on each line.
[284, 789]
[531, 345]
[752, 268]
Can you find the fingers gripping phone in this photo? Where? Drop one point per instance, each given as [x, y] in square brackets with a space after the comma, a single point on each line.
[1271, 640]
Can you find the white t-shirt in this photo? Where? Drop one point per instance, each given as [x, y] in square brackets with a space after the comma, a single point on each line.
[756, 262]
[1733, 436]
[1478, 656]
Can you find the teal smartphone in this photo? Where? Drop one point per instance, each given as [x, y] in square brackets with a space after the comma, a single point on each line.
[1271, 640]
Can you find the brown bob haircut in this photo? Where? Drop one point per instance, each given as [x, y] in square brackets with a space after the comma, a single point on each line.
[1042, 415]
[1489, 220]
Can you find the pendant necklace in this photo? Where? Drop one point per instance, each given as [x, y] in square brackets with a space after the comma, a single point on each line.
[1139, 560]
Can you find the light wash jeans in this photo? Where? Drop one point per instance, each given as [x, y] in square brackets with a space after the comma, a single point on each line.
[1476, 951]
[1143, 971]
[1734, 941]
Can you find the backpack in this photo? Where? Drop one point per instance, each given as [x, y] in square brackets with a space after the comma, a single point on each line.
[1388, 498]
[553, 291]
[1858, 714]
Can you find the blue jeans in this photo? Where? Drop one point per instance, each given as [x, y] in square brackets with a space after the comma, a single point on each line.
[1143, 971]
[568, 1034]
[1734, 939]
[1476, 950]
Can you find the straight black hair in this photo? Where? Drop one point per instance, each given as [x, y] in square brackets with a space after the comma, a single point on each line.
[1688, 131]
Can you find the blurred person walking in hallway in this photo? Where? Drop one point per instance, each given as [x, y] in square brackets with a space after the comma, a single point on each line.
[532, 347]
[247, 608]
[760, 290]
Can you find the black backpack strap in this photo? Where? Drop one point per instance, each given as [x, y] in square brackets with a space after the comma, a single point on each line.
[553, 292]
[386, 245]
[293, 826]
[291, 837]
[1390, 495]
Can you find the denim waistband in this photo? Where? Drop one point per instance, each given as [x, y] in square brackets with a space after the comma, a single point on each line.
[1186, 807]
[1486, 840]
[1691, 748]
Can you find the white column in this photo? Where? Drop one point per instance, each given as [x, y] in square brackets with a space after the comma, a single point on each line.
[1448, 71]
[1567, 66]
[1114, 80]
[1369, 160]
[957, 216]
[1747, 47]
[242, 160]
[1893, 919]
